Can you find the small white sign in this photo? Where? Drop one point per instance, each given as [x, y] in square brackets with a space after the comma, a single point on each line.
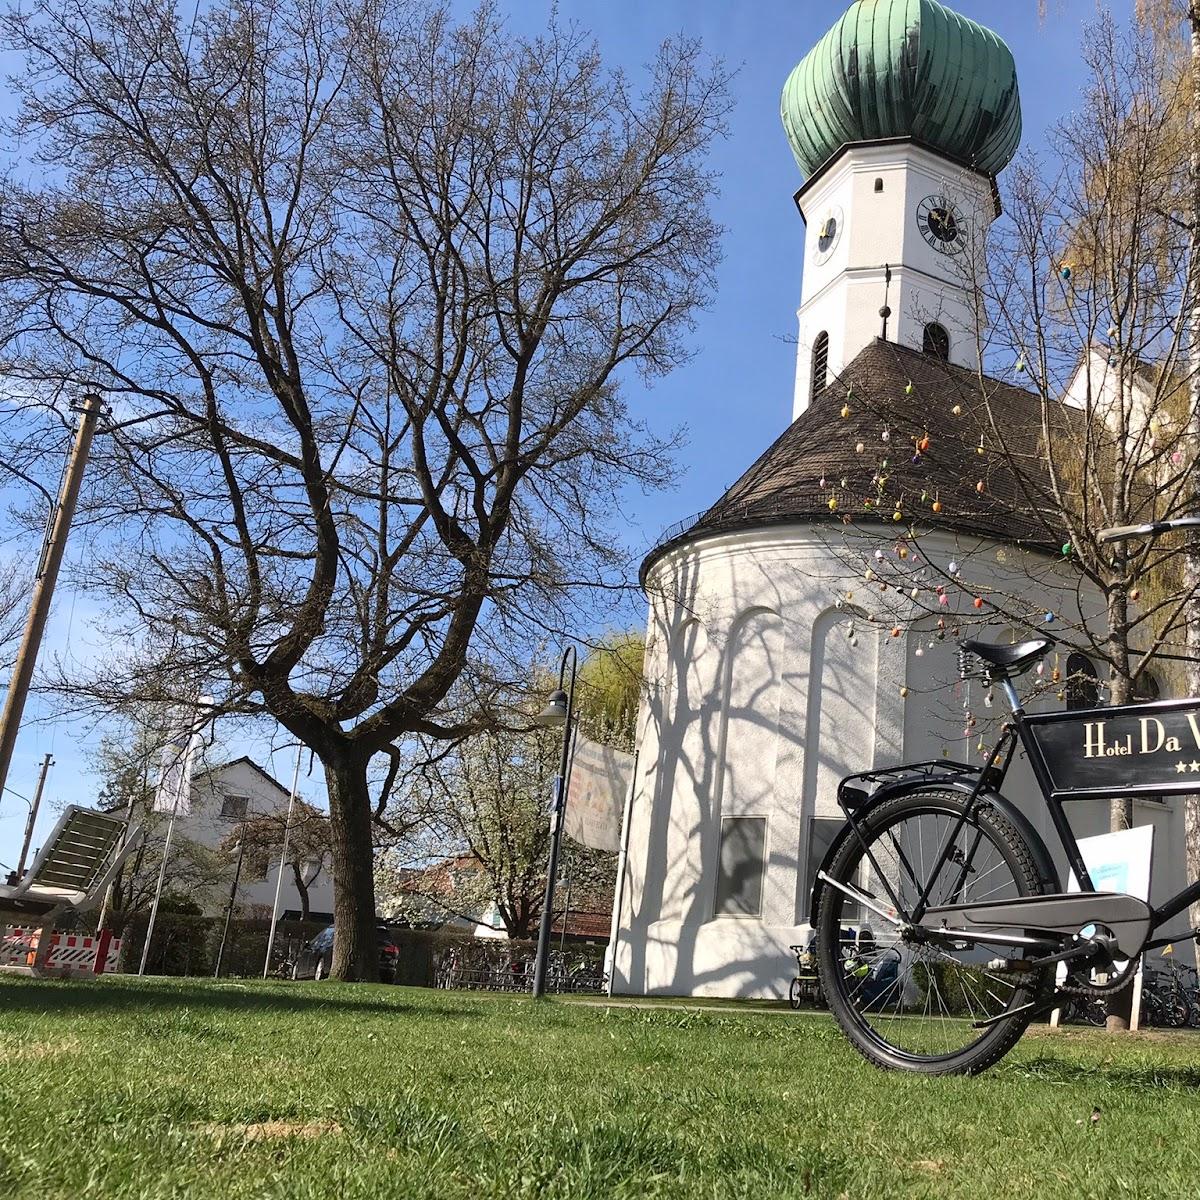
[1117, 862]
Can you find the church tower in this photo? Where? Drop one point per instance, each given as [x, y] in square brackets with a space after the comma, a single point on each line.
[900, 118]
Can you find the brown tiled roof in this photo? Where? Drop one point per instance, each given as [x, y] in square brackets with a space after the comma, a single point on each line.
[583, 924]
[897, 397]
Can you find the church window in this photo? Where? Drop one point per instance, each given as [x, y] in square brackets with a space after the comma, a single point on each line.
[879, 185]
[821, 832]
[820, 363]
[1082, 686]
[936, 341]
[742, 865]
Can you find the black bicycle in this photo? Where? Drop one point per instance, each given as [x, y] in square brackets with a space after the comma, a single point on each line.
[971, 919]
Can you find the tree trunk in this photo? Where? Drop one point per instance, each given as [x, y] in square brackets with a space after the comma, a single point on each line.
[1120, 812]
[355, 954]
[1191, 804]
[301, 889]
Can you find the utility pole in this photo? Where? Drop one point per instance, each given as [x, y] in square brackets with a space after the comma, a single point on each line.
[43, 589]
[47, 763]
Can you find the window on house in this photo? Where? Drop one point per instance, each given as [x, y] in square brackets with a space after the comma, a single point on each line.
[879, 185]
[1146, 687]
[820, 364]
[234, 808]
[1082, 686]
[742, 865]
[936, 341]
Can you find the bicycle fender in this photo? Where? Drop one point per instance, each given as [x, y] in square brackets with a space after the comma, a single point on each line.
[1042, 860]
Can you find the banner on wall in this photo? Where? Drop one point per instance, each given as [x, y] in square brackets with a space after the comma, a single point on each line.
[600, 777]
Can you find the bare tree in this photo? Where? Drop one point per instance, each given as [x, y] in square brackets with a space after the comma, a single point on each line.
[308, 845]
[1078, 423]
[484, 838]
[14, 597]
[363, 285]
[1162, 17]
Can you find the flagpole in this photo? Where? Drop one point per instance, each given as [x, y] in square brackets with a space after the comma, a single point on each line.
[183, 784]
[162, 871]
[614, 933]
[287, 829]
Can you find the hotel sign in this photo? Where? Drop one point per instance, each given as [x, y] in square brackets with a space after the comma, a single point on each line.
[1129, 750]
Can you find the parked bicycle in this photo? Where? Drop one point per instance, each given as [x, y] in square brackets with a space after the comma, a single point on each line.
[1187, 981]
[805, 987]
[1084, 1010]
[963, 890]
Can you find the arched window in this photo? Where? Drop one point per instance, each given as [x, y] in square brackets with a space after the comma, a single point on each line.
[820, 364]
[936, 341]
[1146, 687]
[1082, 686]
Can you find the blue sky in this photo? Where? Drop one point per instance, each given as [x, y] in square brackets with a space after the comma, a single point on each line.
[735, 396]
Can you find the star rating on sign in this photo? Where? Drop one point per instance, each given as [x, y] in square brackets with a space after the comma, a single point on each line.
[1181, 767]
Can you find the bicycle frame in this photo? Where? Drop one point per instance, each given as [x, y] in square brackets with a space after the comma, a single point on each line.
[1082, 755]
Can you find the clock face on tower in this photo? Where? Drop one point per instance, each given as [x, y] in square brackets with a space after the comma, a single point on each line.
[829, 233]
[941, 225]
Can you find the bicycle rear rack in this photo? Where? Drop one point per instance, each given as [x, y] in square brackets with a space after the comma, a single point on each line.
[855, 790]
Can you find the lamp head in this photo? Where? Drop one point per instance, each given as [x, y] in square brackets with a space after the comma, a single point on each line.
[555, 712]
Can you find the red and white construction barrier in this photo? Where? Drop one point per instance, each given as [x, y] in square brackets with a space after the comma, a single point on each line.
[68, 951]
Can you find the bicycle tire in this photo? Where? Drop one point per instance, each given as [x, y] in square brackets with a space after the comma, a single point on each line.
[794, 994]
[844, 994]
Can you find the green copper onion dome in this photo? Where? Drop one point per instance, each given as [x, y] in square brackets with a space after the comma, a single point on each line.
[905, 68]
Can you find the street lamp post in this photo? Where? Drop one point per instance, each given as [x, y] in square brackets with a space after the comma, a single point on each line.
[16, 876]
[233, 887]
[558, 711]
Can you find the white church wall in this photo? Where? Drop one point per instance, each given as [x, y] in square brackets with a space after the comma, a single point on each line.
[1097, 382]
[759, 664]
[749, 744]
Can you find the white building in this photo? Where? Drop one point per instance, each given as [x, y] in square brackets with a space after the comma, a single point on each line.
[222, 797]
[770, 671]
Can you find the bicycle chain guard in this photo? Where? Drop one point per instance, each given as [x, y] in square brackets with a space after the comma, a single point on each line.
[1127, 917]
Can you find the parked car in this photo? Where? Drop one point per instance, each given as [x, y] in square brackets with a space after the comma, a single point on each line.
[316, 958]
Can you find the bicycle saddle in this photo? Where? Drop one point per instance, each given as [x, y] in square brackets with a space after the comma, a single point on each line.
[1009, 660]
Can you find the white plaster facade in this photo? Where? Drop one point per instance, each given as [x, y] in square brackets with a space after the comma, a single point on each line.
[757, 705]
[216, 802]
[873, 191]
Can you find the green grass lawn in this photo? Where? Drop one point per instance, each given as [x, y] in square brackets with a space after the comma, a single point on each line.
[182, 1088]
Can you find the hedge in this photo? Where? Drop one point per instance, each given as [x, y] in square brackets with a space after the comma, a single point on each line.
[185, 944]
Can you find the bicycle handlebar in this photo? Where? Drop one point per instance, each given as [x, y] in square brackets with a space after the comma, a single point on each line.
[1123, 533]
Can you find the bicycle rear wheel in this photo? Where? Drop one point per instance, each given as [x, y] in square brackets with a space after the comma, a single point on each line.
[915, 1003]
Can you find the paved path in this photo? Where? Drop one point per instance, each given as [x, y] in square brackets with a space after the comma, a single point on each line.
[729, 1010]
